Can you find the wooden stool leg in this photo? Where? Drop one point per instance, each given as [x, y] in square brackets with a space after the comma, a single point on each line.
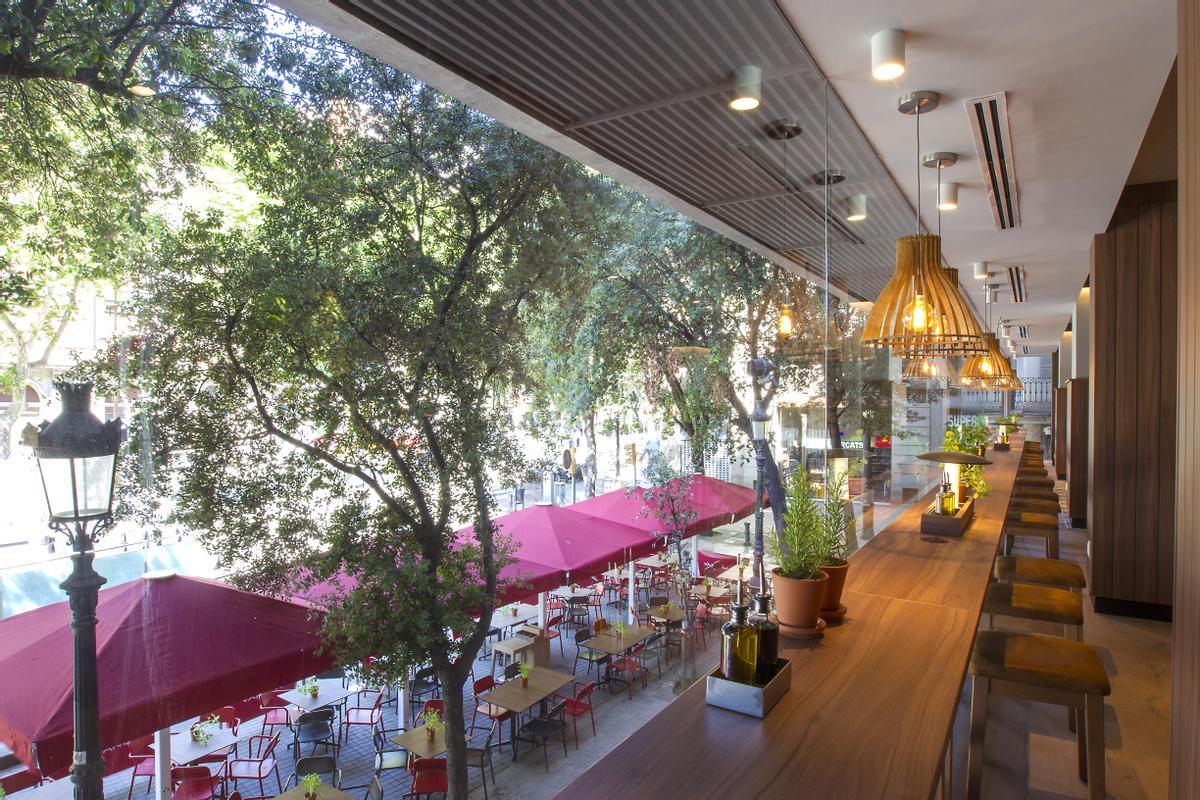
[1052, 544]
[1094, 723]
[1080, 731]
[979, 702]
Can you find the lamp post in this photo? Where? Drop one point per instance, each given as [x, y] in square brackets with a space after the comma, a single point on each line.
[759, 422]
[77, 459]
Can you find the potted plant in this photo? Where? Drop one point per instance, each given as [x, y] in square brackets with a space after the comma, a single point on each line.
[201, 732]
[857, 482]
[433, 722]
[619, 627]
[311, 782]
[840, 540]
[800, 548]
[309, 686]
[525, 668]
[972, 439]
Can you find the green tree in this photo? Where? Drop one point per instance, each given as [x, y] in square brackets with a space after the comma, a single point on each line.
[323, 387]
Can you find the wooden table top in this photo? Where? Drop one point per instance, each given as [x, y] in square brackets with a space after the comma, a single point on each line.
[185, 751]
[567, 593]
[657, 562]
[871, 704]
[512, 696]
[665, 614]
[500, 619]
[329, 691]
[607, 641]
[735, 572]
[418, 742]
[711, 591]
[324, 792]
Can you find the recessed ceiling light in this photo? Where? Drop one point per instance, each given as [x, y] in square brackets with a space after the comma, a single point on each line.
[747, 88]
[947, 196]
[856, 208]
[887, 54]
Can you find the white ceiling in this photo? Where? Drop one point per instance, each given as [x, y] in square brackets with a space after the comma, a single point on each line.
[1083, 78]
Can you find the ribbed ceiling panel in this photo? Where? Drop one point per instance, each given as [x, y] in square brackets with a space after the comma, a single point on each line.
[644, 84]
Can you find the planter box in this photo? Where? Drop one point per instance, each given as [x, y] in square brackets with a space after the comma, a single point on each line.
[942, 525]
[1002, 447]
[744, 698]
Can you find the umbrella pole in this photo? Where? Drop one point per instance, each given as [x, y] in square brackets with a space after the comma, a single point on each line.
[402, 701]
[542, 610]
[632, 591]
[162, 764]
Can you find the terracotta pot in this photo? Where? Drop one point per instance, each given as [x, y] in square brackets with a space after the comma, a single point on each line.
[963, 493]
[831, 605]
[524, 682]
[430, 732]
[798, 602]
[310, 795]
[855, 486]
[313, 693]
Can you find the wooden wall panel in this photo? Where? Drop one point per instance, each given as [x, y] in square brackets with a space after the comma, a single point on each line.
[1133, 363]
[1077, 451]
[1185, 667]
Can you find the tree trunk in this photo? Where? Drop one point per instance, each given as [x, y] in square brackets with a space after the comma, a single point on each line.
[697, 459]
[14, 410]
[456, 729]
[833, 425]
[589, 466]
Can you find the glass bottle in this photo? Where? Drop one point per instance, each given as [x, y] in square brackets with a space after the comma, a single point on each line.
[768, 635]
[947, 500]
[739, 645]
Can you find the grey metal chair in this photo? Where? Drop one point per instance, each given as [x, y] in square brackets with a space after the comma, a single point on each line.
[541, 729]
[317, 765]
[315, 727]
[481, 759]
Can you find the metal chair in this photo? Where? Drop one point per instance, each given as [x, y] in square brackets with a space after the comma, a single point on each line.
[429, 777]
[481, 758]
[142, 756]
[258, 763]
[387, 755]
[540, 729]
[424, 683]
[374, 789]
[315, 727]
[193, 783]
[317, 765]
[585, 653]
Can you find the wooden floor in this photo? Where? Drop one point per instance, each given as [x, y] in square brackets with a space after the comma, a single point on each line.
[1030, 753]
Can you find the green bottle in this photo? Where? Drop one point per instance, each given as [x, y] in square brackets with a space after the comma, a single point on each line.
[739, 645]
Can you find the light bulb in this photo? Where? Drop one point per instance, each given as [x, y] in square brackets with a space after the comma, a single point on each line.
[785, 322]
[986, 367]
[916, 315]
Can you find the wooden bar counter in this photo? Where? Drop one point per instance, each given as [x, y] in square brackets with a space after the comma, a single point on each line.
[872, 704]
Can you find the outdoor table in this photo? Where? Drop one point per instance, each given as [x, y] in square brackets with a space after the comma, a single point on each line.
[418, 742]
[185, 751]
[735, 573]
[502, 620]
[657, 562]
[567, 593]
[324, 792]
[61, 789]
[607, 641]
[513, 697]
[329, 692]
[514, 647]
[708, 591]
[619, 574]
[666, 614]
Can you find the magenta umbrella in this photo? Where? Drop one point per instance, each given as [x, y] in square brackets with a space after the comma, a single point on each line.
[570, 541]
[717, 502]
[168, 648]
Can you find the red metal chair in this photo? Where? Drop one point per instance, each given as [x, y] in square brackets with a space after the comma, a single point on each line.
[496, 714]
[596, 601]
[429, 777]
[193, 783]
[553, 631]
[371, 716]
[630, 665]
[275, 712]
[226, 717]
[258, 764]
[437, 705]
[579, 705]
[143, 761]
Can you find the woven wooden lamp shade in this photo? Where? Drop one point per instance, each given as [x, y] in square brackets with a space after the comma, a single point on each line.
[920, 311]
[992, 370]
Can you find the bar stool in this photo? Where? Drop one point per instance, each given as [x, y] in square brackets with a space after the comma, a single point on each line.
[1040, 571]
[1031, 666]
[1034, 524]
[1033, 481]
[1041, 603]
[1041, 504]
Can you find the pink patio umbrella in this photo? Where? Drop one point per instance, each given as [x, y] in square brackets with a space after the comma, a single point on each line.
[717, 502]
[570, 541]
[168, 648]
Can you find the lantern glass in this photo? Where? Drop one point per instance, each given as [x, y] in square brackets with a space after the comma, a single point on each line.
[78, 489]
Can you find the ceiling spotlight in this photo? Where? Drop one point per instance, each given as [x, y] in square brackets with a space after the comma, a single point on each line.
[887, 54]
[947, 196]
[856, 208]
[747, 88]
[828, 177]
[981, 270]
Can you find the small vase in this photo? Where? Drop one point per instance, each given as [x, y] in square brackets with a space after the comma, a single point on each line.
[313, 694]
[310, 795]
[430, 732]
[524, 682]
[195, 735]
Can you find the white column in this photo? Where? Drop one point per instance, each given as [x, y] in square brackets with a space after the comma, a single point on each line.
[632, 590]
[162, 764]
[402, 701]
[542, 610]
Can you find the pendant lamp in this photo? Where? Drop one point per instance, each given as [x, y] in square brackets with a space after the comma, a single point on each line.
[920, 311]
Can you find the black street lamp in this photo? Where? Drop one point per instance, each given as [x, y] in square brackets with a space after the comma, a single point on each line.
[762, 372]
[77, 459]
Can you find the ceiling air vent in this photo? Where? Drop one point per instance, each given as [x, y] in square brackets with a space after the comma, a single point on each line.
[1023, 331]
[988, 117]
[1025, 349]
[1016, 282]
